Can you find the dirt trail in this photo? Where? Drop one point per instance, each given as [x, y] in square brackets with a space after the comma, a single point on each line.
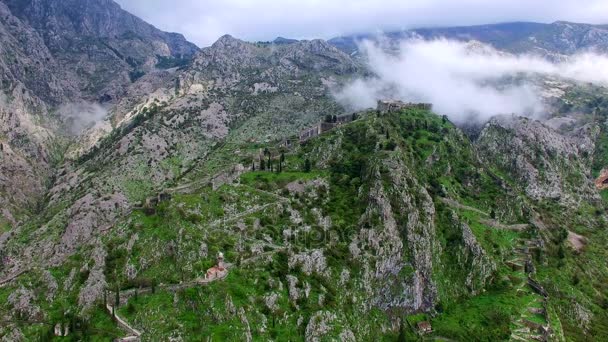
[457, 205]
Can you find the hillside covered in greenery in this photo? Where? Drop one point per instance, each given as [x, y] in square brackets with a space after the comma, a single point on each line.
[359, 234]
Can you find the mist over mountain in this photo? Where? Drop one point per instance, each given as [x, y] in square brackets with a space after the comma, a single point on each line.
[441, 184]
[465, 80]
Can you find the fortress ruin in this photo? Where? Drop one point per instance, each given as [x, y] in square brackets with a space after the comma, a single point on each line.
[391, 106]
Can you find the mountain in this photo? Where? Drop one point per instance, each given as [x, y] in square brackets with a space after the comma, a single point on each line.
[62, 61]
[191, 208]
[552, 40]
[104, 47]
[397, 214]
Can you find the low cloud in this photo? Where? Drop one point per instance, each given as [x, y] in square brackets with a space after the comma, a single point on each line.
[463, 80]
[81, 116]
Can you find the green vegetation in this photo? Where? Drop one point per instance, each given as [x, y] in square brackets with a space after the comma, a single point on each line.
[168, 62]
[338, 231]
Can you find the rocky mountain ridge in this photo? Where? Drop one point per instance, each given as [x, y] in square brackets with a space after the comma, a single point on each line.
[554, 41]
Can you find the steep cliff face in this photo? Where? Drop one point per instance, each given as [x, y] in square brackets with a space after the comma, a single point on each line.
[25, 58]
[101, 46]
[406, 239]
[29, 79]
[57, 60]
[549, 165]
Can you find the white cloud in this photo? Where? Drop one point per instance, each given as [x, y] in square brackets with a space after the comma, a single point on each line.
[203, 21]
[83, 115]
[463, 79]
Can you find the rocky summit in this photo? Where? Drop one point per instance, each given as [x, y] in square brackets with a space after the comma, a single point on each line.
[153, 190]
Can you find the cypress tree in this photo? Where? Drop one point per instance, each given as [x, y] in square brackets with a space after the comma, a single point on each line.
[117, 296]
[269, 162]
[307, 165]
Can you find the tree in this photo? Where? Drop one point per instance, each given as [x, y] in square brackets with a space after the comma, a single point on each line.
[576, 279]
[253, 165]
[281, 161]
[561, 253]
[262, 165]
[493, 214]
[117, 302]
[269, 163]
[328, 118]
[390, 146]
[307, 165]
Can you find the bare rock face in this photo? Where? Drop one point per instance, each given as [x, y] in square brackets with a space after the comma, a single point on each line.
[402, 273]
[601, 182]
[311, 262]
[22, 303]
[294, 292]
[25, 59]
[99, 41]
[474, 260]
[96, 282]
[51, 285]
[319, 325]
[544, 161]
[89, 217]
[11, 334]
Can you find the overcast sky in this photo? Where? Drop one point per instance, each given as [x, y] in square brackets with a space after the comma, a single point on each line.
[203, 21]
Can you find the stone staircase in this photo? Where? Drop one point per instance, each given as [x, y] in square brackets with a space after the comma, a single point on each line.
[533, 323]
